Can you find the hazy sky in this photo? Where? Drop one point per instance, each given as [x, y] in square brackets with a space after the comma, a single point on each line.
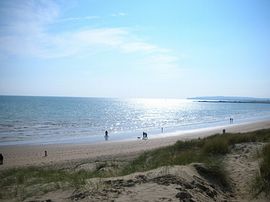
[138, 48]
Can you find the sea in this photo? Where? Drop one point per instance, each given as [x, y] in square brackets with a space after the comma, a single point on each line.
[59, 120]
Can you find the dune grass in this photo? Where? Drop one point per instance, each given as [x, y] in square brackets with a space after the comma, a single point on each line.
[265, 169]
[203, 150]
[34, 175]
[209, 150]
[24, 182]
[262, 181]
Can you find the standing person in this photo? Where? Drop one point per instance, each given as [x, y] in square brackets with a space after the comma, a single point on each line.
[161, 129]
[1, 159]
[145, 136]
[106, 136]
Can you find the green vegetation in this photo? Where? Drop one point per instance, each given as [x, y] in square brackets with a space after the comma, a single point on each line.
[16, 182]
[34, 175]
[262, 182]
[215, 173]
[209, 150]
[265, 169]
[206, 150]
[218, 145]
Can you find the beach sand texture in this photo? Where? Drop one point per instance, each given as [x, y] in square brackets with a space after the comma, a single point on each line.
[26, 155]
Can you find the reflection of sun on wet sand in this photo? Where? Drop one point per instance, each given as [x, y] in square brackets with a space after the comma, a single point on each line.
[90, 172]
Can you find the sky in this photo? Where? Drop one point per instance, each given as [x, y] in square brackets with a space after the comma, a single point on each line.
[135, 49]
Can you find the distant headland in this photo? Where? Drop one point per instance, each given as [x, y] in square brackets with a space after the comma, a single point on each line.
[230, 99]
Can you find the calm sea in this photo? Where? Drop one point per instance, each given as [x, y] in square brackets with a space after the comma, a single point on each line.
[42, 120]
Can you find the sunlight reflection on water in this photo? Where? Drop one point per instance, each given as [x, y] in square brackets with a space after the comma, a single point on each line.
[53, 118]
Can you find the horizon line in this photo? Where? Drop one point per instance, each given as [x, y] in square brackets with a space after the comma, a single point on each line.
[186, 98]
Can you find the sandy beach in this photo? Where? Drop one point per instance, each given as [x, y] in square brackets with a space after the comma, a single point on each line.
[25, 155]
[104, 171]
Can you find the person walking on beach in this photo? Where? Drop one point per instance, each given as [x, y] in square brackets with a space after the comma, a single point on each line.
[106, 136]
[45, 153]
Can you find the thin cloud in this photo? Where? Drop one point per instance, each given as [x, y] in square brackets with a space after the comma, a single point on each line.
[164, 66]
[138, 46]
[78, 18]
[119, 14]
[29, 36]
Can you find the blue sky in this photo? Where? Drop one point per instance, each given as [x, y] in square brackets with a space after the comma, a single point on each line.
[124, 48]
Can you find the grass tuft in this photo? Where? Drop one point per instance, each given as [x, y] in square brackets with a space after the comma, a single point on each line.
[215, 172]
[262, 182]
[217, 145]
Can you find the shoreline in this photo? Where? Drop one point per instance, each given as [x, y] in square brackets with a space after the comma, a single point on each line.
[33, 155]
[132, 135]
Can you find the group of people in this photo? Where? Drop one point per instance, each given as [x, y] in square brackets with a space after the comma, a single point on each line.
[231, 120]
[144, 137]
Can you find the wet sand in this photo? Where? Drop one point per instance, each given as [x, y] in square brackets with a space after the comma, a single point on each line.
[26, 155]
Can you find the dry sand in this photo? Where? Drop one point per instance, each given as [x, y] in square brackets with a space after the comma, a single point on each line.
[242, 166]
[169, 183]
[172, 183]
[25, 155]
